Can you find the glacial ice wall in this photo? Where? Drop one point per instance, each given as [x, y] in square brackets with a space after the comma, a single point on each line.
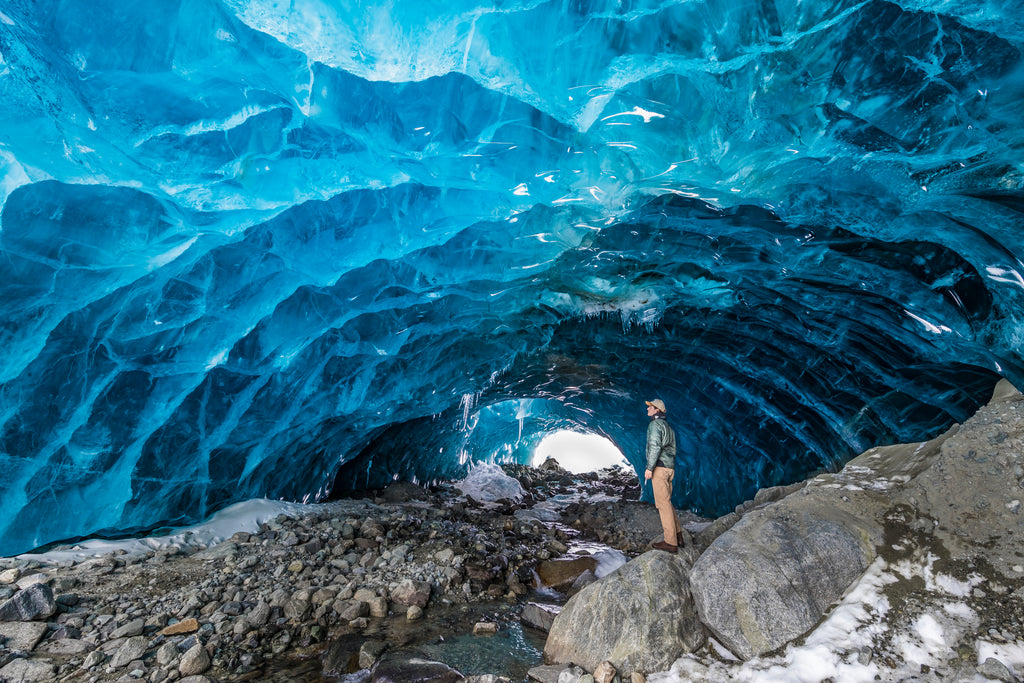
[251, 248]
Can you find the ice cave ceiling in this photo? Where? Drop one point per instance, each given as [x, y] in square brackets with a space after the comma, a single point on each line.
[260, 248]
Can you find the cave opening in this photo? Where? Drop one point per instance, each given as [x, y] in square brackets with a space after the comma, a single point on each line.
[579, 452]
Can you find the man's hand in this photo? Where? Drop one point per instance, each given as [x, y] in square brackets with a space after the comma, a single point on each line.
[647, 475]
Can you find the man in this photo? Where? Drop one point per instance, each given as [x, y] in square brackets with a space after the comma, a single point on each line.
[661, 468]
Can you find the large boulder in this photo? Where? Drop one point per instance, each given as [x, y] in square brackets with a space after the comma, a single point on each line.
[640, 617]
[773, 575]
[30, 604]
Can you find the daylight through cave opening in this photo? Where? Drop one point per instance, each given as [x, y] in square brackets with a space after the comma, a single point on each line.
[578, 452]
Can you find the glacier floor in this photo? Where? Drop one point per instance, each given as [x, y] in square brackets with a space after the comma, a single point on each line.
[842, 648]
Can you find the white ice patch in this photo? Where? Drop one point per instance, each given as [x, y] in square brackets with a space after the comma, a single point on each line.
[488, 483]
[923, 641]
[608, 561]
[245, 516]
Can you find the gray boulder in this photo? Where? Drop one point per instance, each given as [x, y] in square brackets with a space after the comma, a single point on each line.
[640, 617]
[774, 574]
[30, 604]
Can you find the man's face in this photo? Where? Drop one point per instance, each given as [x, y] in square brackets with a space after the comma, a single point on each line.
[651, 410]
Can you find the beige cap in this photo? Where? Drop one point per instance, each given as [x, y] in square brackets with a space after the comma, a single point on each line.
[658, 404]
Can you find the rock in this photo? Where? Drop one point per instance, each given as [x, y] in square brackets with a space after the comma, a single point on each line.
[351, 609]
[194, 679]
[132, 628]
[32, 579]
[548, 673]
[411, 592]
[66, 646]
[637, 677]
[30, 604]
[260, 614]
[94, 658]
[9, 576]
[574, 674]
[130, 650]
[406, 667]
[414, 613]
[994, 669]
[182, 627]
[551, 465]
[378, 606]
[364, 595]
[371, 528]
[826, 534]
[743, 584]
[22, 635]
[562, 572]
[486, 678]
[26, 671]
[640, 617]
[585, 579]
[296, 610]
[403, 492]
[605, 672]
[539, 616]
[195, 661]
[718, 527]
[484, 628]
[370, 652]
[166, 654]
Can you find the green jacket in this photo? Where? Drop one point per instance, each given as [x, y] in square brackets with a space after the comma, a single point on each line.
[661, 444]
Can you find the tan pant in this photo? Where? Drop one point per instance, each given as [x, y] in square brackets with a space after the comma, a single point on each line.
[661, 483]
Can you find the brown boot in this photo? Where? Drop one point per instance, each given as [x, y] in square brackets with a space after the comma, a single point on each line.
[679, 539]
[668, 548]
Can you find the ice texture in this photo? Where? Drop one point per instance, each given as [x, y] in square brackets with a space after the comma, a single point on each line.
[253, 249]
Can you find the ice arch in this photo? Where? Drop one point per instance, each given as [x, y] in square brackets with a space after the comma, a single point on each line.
[264, 249]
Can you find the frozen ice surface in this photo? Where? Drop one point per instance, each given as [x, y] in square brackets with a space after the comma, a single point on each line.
[252, 249]
[488, 483]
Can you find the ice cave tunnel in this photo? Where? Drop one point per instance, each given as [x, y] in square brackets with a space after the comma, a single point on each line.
[261, 249]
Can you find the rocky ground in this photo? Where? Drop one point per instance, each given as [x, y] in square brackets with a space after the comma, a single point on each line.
[375, 584]
[313, 597]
